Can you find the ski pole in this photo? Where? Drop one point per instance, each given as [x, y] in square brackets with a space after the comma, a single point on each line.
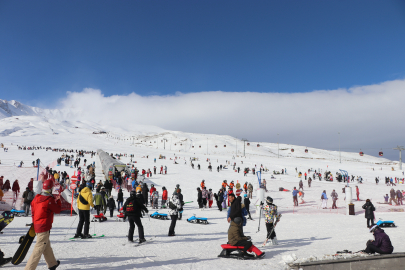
[70, 226]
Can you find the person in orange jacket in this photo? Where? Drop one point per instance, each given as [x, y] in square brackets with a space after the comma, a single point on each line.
[202, 184]
[224, 184]
[245, 187]
[43, 208]
[231, 185]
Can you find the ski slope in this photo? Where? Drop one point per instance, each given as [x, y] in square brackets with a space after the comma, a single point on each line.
[305, 230]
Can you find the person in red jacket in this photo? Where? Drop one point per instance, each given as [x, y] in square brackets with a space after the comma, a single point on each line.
[15, 189]
[152, 189]
[43, 207]
[31, 184]
[357, 193]
[164, 196]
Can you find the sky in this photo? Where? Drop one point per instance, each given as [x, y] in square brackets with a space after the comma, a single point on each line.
[239, 60]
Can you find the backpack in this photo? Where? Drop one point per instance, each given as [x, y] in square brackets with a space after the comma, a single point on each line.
[172, 205]
[30, 196]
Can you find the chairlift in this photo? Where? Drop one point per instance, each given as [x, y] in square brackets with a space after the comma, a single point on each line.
[200, 146]
[380, 154]
[361, 154]
[216, 146]
[248, 144]
[224, 145]
[292, 150]
[306, 150]
[258, 145]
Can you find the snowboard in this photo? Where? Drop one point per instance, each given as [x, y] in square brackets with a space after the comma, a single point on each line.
[5, 219]
[24, 246]
[92, 236]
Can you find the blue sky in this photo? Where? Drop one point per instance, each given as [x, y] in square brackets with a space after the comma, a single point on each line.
[161, 47]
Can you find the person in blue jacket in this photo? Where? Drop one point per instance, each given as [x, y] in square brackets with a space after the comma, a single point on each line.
[324, 199]
[295, 196]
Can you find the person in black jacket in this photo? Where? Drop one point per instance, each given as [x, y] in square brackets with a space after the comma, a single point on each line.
[111, 205]
[133, 208]
[236, 207]
[220, 199]
[145, 192]
[369, 214]
[246, 202]
[181, 202]
[120, 199]
[199, 198]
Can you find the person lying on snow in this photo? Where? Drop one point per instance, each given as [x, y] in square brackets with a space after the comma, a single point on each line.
[236, 238]
[381, 243]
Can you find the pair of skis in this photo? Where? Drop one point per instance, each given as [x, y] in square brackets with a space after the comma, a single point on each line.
[92, 236]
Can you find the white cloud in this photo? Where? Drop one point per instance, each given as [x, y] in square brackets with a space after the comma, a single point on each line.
[366, 116]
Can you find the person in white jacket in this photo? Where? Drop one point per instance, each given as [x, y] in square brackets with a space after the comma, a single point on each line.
[174, 207]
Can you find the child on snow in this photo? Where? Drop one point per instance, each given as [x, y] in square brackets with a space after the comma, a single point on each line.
[271, 215]
[111, 205]
[155, 199]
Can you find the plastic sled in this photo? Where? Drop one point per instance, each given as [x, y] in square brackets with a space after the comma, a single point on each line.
[157, 215]
[197, 220]
[229, 251]
[385, 223]
[120, 217]
[99, 218]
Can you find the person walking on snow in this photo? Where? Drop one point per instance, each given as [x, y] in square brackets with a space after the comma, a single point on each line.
[334, 196]
[210, 198]
[295, 198]
[44, 206]
[357, 193]
[84, 201]
[164, 197]
[133, 208]
[324, 199]
[369, 213]
[174, 208]
[250, 188]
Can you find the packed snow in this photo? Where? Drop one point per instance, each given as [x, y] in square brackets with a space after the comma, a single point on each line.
[306, 231]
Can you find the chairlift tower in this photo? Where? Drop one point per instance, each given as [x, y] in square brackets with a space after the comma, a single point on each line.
[244, 143]
[400, 148]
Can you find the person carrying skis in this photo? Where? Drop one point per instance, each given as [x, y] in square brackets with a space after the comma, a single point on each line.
[334, 196]
[174, 207]
[133, 208]
[369, 213]
[44, 206]
[272, 218]
[381, 244]
[236, 238]
[164, 197]
[295, 198]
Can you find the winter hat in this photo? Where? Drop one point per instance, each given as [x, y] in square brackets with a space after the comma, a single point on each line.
[88, 184]
[372, 229]
[238, 220]
[245, 195]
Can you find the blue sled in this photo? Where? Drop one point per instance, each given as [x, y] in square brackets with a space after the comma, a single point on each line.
[385, 223]
[157, 215]
[17, 212]
[198, 220]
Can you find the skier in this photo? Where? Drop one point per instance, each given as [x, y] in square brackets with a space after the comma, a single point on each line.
[369, 213]
[295, 199]
[381, 244]
[271, 215]
[111, 205]
[236, 238]
[174, 207]
[44, 206]
[164, 197]
[133, 208]
[334, 196]
[324, 199]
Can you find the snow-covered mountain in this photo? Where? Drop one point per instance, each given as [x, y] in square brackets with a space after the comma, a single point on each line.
[15, 108]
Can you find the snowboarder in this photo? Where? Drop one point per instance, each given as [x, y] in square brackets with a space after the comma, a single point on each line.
[174, 208]
[44, 206]
[271, 215]
[369, 213]
[381, 244]
[133, 208]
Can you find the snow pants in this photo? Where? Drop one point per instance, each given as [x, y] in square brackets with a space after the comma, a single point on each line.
[370, 220]
[173, 225]
[248, 246]
[334, 204]
[84, 218]
[210, 203]
[371, 249]
[324, 203]
[270, 232]
[43, 246]
[27, 208]
[132, 221]
[295, 200]
[204, 202]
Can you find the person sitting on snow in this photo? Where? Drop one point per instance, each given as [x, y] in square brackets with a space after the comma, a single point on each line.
[381, 243]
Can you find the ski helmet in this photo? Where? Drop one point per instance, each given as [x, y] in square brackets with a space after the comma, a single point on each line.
[48, 184]
[245, 195]
[269, 200]
[133, 193]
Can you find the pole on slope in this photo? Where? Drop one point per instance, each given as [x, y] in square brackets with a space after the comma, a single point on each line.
[38, 161]
[400, 148]
[244, 145]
